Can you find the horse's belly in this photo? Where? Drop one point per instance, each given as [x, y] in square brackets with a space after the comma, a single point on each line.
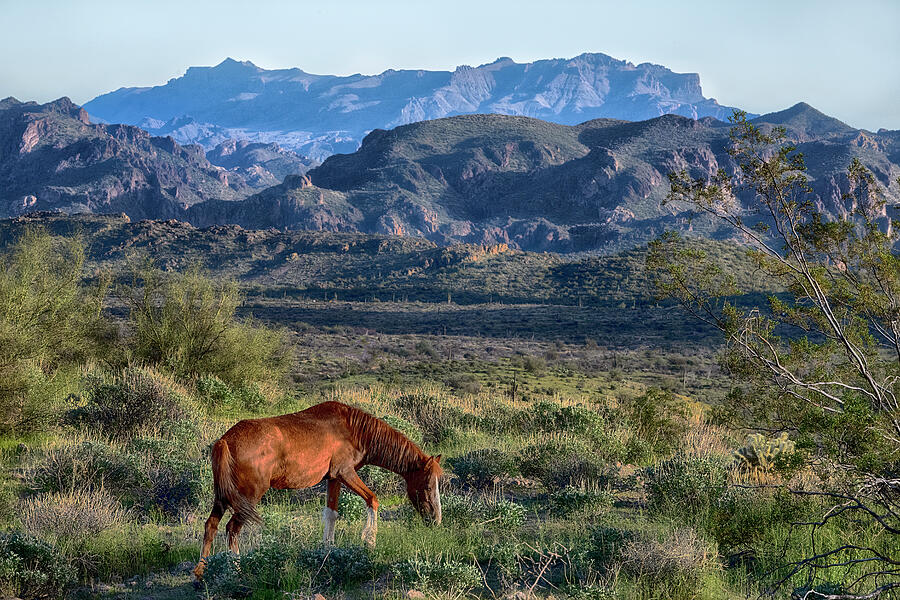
[293, 475]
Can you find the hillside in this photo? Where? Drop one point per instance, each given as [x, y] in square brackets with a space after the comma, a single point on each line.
[496, 179]
[353, 266]
[318, 115]
[53, 158]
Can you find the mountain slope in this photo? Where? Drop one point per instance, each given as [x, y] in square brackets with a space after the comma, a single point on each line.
[318, 115]
[495, 179]
[52, 158]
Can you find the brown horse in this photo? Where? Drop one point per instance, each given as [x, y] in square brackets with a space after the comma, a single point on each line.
[327, 441]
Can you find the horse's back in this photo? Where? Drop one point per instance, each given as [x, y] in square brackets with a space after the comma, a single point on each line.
[294, 450]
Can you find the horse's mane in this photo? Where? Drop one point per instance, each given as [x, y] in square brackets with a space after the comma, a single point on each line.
[384, 446]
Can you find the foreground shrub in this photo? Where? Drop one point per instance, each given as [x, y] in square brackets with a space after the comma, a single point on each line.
[32, 569]
[186, 323]
[674, 564]
[48, 319]
[122, 405]
[481, 469]
[659, 421]
[337, 567]
[215, 394]
[437, 575]
[559, 463]
[154, 475]
[571, 499]
[229, 575]
[687, 487]
[70, 521]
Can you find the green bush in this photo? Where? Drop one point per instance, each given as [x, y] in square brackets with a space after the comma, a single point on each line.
[437, 420]
[48, 320]
[557, 464]
[674, 565]
[482, 468]
[659, 420]
[687, 488]
[571, 499]
[606, 544]
[440, 574]
[186, 323]
[337, 567]
[503, 514]
[32, 569]
[122, 405]
[215, 394]
[223, 577]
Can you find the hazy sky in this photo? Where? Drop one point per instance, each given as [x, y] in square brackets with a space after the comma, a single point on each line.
[843, 57]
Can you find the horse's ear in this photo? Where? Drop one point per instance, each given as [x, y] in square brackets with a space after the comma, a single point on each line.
[437, 458]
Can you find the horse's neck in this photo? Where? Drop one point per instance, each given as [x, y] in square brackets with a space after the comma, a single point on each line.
[399, 459]
[384, 447]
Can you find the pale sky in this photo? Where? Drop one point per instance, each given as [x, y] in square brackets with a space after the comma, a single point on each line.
[843, 57]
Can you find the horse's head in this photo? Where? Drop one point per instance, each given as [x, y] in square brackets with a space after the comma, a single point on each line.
[422, 489]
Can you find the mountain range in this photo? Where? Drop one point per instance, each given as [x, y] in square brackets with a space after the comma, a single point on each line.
[480, 179]
[319, 115]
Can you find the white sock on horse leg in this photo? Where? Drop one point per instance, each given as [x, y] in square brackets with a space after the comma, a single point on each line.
[371, 529]
[328, 519]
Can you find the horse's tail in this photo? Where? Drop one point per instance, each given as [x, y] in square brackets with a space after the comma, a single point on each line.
[225, 487]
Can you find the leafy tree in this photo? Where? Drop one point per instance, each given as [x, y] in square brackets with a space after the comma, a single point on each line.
[48, 320]
[186, 323]
[820, 360]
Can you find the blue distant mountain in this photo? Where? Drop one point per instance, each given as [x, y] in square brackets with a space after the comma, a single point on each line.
[319, 115]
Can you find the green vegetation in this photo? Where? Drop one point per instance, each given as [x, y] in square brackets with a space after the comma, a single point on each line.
[819, 362]
[590, 450]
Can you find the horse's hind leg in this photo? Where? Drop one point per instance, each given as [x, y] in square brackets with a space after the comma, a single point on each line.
[209, 534]
[329, 513]
[233, 530]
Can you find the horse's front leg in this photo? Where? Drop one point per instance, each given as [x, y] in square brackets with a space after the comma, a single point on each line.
[370, 531]
[329, 513]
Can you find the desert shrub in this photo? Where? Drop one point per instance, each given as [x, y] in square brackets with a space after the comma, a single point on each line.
[557, 463]
[215, 394]
[186, 323]
[437, 420]
[48, 319]
[121, 405]
[687, 487]
[464, 383]
[437, 574]
[743, 519]
[675, 563]
[462, 511]
[71, 520]
[503, 514]
[88, 465]
[424, 348]
[571, 499]
[534, 364]
[606, 545]
[30, 568]
[482, 468]
[658, 419]
[337, 567]
[459, 511]
[577, 420]
[223, 577]
[150, 474]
